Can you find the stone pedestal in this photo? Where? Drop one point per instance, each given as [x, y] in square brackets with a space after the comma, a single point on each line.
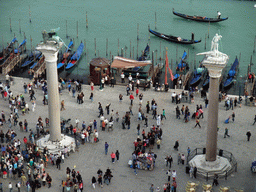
[208, 168]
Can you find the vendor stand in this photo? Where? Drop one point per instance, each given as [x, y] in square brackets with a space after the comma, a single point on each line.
[99, 68]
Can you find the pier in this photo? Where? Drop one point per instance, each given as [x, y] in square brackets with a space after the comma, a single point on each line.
[10, 63]
[40, 67]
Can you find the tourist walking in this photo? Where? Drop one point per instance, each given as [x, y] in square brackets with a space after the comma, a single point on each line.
[62, 104]
[254, 120]
[226, 133]
[195, 172]
[198, 123]
[138, 128]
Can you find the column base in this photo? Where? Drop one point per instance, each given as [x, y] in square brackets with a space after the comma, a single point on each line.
[208, 168]
[54, 147]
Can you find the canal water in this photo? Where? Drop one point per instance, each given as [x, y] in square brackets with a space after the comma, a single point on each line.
[127, 20]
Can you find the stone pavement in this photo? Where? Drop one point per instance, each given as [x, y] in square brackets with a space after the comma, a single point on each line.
[91, 156]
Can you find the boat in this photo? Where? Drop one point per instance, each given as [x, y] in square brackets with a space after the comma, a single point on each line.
[133, 71]
[174, 38]
[197, 76]
[65, 56]
[6, 51]
[231, 74]
[199, 18]
[182, 66]
[23, 43]
[75, 57]
[36, 61]
[31, 58]
[206, 81]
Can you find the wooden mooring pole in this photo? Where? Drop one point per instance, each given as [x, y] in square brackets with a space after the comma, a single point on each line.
[160, 52]
[177, 55]
[155, 20]
[85, 47]
[254, 44]
[95, 45]
[31, 42]
[133, 52]
[130, 49]
[77, 29]
[10, 25]
[106, 47]
[205, 42]
[137, 49]
[29, 14]
[209, 30]
[19, 26]
[118, 47]
[137, 31]
[86, 20]
[66, 29]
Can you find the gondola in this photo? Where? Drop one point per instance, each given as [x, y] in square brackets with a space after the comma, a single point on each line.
[182, 66]
[175, 39]
[31, 58]
[197, 76]
[23, 43]
[206, 81]
[6, 51]
[133, 71]
[231, 74]
[36, 61]
[199, 18]
[75, 57]
[66, 56]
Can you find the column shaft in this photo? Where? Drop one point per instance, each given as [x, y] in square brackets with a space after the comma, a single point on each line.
[211, 143]
[53, 99]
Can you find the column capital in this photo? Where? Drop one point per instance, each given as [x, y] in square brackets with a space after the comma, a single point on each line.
[50, 49]
[215, 70]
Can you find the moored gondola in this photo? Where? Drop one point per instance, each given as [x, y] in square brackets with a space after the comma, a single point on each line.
[174, 38]
[199, 18]
[231, 74]
[66, 56]
[75, 57]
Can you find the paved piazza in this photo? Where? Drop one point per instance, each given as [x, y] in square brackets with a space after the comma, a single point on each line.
[91, 156]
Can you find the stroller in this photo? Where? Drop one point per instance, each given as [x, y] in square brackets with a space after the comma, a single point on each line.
[253, 167]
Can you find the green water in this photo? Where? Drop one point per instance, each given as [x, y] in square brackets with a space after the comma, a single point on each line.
[118, 20]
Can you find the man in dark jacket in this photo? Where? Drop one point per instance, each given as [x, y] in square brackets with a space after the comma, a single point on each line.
[58, 161]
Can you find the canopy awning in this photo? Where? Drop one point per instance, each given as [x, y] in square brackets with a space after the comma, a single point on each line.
[120, 62]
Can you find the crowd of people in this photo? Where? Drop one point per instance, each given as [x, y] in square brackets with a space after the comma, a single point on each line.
[29, 163]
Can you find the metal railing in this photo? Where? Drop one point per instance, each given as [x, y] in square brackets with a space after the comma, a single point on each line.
[229, 156]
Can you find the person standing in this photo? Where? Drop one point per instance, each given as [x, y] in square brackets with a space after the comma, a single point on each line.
[120, 98]
[195, 172]
[170, 160]
[176, 145]
[226, 133]
[152, 188]
[122, 77]
[138, 128]
[62, 104]
[158, 143]
[163, 116]
[135, 166]
[146, 121]
[188, 150]
[206, 102]
[248, 134]
[191, 172]
[49, 180]
[94, 182]
[179, 158]
[215, 180]
[10, 186]
[169, 173]
[117, 155]
[106, 148]
[131, 98]
[91, 96]
[233, 116]
[113, 156]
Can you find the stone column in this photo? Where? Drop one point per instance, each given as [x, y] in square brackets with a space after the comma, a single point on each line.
[50, 50]
[211, 143]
